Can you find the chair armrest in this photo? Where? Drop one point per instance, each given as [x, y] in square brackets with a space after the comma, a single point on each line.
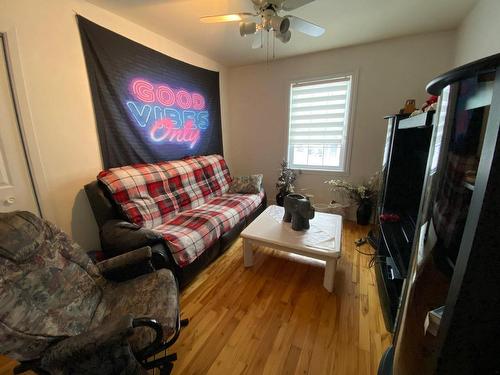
[88, 343]
[119, 236]
[137, 256]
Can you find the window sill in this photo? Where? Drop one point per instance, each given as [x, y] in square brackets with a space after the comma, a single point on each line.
[320, 172]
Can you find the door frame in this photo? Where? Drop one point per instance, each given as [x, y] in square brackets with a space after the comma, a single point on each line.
[25, 122]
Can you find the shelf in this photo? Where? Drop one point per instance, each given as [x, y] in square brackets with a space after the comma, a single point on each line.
[398, 240]
[482, 96]
[418, 121]
[389, 291]
[433, 320]
[398, 115]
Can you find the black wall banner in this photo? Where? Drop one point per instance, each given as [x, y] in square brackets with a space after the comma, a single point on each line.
[149, 107]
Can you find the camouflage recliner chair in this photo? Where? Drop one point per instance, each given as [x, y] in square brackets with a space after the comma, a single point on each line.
[59, 315]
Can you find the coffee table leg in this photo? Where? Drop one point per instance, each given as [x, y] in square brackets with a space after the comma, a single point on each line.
[247, 253]
[331, 266]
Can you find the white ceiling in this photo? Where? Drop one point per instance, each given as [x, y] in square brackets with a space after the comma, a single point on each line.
[347, 22]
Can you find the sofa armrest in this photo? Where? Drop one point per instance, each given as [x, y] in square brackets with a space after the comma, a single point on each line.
[119, 236]
[138, 256]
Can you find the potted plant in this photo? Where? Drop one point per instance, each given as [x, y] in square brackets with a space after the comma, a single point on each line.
[285, 182]
[363, 195]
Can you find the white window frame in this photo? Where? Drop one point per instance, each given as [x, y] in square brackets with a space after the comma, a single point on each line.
[349, 123]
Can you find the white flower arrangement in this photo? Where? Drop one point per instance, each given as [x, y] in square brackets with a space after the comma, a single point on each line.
[356, 193]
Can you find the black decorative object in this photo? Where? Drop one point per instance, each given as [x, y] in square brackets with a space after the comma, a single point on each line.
[284, 185]
[298, 210]
[280, 198]
[149, 107]
[364, 212]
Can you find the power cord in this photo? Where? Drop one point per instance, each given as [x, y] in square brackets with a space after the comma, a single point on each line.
[375, 258]
[360, 242]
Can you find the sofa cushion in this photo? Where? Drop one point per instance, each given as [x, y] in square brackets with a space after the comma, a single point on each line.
[215, 172]
[151, 194]
[191, 232]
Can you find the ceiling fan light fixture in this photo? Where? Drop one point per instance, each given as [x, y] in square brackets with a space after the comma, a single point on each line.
[280, 24]
[248, 28]
[266, 18]
[285, 37]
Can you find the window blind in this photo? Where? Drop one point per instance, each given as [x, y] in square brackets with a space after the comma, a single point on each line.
[319, 111]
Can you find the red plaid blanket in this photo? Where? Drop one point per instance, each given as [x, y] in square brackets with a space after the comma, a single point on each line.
[151, 194]
[184, 200]
[191, 232]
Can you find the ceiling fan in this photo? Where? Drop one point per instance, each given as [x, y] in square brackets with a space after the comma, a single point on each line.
[270, 20]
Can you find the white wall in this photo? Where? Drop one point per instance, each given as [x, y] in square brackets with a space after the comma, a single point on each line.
[479, 33]
[388, 73]
[55, 99]
[58, 119]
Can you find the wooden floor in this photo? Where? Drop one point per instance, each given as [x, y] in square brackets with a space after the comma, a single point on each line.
[276, 317]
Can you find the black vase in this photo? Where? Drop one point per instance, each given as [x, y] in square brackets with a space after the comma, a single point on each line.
[280, 198]
[364, 212]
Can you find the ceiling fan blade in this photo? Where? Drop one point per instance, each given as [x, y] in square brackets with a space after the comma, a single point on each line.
[294, 4]
[234, 17]
[305, 27]
[257, 40]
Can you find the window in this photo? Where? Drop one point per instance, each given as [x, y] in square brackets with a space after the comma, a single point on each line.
[318, 126]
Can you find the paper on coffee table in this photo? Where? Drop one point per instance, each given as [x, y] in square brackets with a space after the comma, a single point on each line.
[319, 235]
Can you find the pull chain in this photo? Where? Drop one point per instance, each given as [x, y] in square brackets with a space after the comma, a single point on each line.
[274, 40]
[267, 48]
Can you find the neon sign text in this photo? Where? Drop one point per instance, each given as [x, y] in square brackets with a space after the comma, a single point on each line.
[146, 92]
[165, 130]
[172, 115]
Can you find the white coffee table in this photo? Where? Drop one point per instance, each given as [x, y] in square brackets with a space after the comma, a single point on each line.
[322, 241]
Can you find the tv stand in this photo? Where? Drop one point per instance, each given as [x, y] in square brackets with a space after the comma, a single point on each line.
[404, 165]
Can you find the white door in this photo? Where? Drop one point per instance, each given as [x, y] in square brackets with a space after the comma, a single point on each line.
[16, 188]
